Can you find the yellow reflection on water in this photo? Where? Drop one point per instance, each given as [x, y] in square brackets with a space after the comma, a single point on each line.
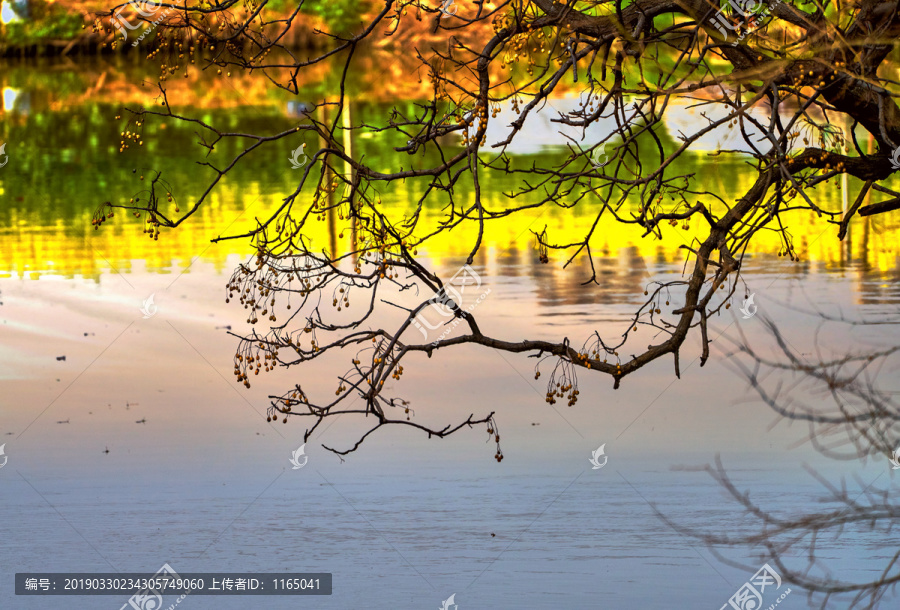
[32, 247]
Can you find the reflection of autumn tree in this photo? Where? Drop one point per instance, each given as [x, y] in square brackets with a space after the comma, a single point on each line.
[852, 412]
[780, 87]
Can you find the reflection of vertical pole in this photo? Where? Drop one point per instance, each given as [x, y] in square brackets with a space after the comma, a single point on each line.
[332, 226]
[864, 246]
[864, 243]
[329, 178]
[845, 203]
[845, 195]
[347, 123]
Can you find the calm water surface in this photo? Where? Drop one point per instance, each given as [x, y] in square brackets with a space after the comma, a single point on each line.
[204, 483]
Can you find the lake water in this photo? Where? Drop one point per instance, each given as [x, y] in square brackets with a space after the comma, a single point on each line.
[204, 484]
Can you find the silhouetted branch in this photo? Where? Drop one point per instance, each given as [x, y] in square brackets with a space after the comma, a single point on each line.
[781, 76]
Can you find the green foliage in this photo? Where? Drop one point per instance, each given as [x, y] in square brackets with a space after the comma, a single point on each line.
[280, 5]
[340, 15]
[45, 23]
